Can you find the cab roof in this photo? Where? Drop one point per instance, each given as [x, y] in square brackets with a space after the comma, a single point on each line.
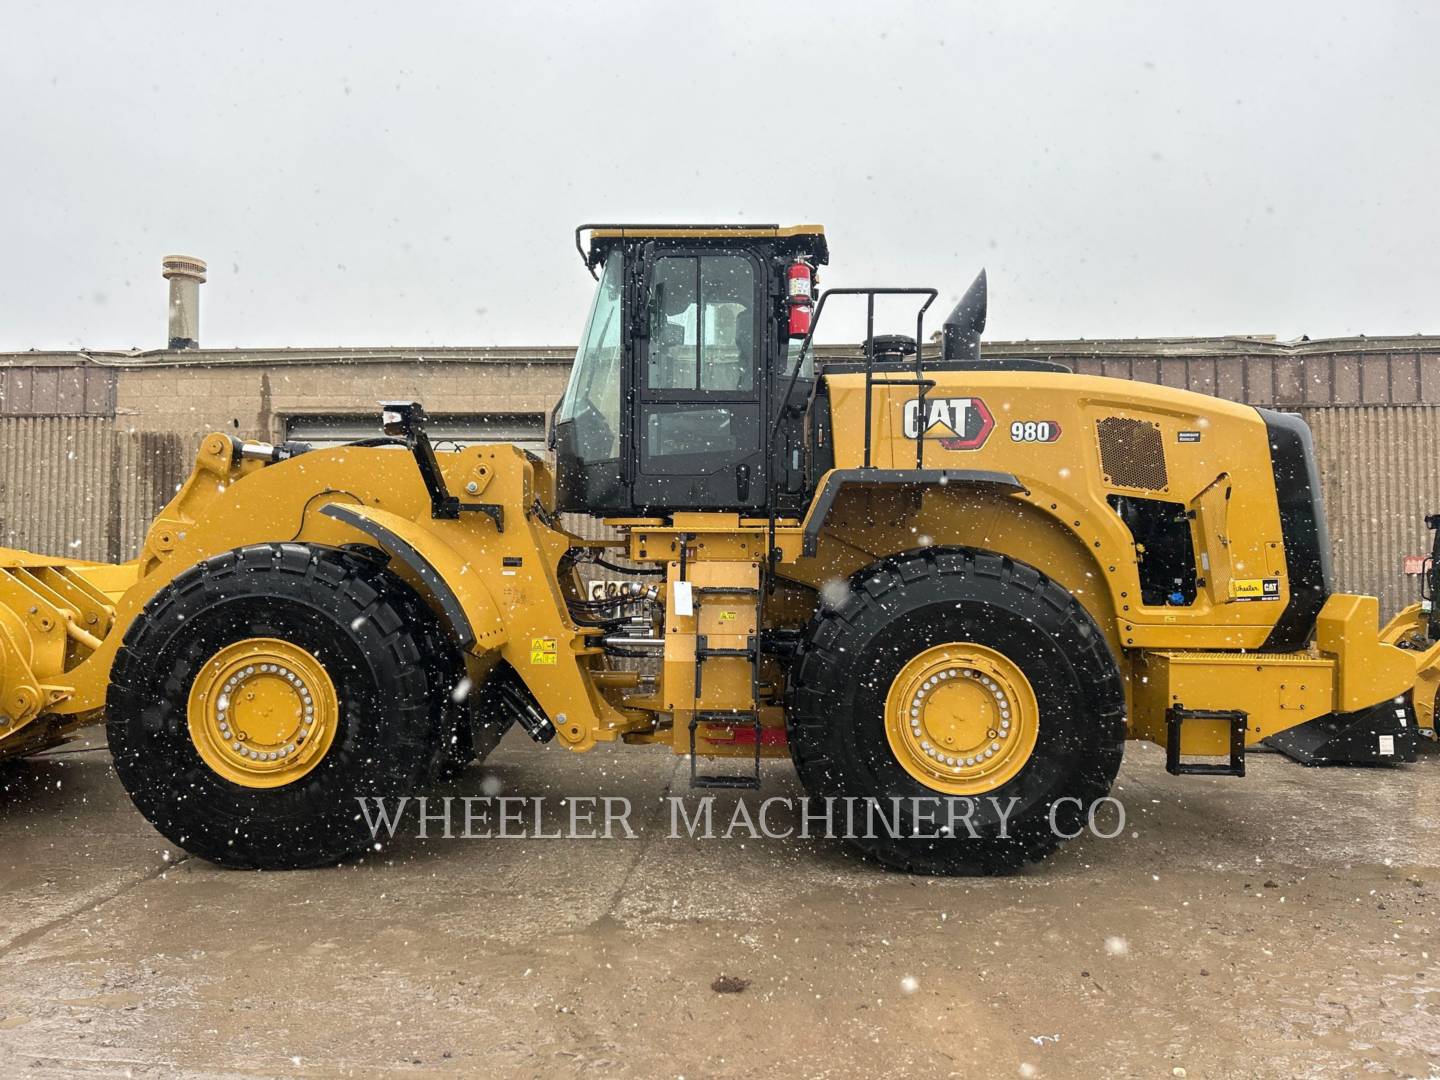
[806, 240]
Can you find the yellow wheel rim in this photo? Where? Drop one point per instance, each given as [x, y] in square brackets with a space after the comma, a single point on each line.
[961, 718]
[263, 713]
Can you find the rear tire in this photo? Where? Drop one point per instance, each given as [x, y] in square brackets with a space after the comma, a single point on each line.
[917, 603]
[392, 667]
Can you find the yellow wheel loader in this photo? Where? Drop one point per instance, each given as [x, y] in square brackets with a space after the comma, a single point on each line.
[947, 586]
[1416, 629]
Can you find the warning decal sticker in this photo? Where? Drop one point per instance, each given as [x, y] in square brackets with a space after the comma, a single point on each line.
[1255, 589]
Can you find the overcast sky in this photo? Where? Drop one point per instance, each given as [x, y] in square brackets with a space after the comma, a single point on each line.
[411, 174]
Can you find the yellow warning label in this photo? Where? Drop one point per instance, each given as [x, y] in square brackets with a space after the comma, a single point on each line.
[543, 651]
[727, 616]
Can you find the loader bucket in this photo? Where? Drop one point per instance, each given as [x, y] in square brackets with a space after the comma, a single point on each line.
[55, 614]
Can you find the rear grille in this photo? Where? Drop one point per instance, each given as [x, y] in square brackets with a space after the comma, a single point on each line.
[1132, 453]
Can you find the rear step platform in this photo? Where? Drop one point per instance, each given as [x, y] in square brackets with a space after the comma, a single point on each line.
[1384, 734]
[1175, 717]
[745, 781]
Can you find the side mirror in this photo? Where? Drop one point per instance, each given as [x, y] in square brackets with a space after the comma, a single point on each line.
[552, 438]
[649, 313]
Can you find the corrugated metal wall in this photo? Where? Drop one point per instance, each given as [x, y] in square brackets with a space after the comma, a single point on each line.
[1381, 476]
[151, 467]
[75, 486]
[54, 495]
[1350, 371]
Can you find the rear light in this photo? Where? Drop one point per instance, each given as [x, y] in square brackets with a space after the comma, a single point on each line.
[800, 279]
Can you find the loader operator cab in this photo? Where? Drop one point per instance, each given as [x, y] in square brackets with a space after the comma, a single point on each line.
[670, 402]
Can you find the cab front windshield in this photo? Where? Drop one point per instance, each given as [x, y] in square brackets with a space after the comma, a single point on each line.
[592, 398]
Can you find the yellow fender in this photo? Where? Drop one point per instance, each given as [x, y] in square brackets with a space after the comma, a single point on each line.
[455, 590]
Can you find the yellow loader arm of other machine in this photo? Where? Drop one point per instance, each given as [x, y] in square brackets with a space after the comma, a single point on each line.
[54, 614]
[1416, 631]
[1409, 630]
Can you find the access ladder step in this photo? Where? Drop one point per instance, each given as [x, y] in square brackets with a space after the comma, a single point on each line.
[726, 590]
[708, 652]
[1175, 718]
[738, 718]
[726, 718]
[704, 651]
[741, 783]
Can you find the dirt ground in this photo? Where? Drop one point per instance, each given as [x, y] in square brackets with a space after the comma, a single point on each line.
[1281, 925]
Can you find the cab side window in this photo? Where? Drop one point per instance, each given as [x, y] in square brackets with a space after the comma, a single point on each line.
[699, 413]
[702, 318]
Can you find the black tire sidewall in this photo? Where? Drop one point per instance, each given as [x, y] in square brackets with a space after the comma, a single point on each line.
[340, 609]
[1038, 658]
[914, 601]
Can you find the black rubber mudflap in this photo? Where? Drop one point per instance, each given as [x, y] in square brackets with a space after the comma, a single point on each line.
[1383, 734]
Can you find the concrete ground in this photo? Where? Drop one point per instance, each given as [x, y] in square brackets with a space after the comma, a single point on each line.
[1282, 925]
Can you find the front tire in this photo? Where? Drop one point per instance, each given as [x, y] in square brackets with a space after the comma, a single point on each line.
[265, 690]
[966, 680]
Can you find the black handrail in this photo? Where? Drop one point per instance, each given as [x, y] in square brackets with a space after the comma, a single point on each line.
[920, 382]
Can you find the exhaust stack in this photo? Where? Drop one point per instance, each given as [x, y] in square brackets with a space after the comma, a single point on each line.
[963, 326]
[185, 274]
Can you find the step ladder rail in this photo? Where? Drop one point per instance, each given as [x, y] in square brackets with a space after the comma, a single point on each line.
[735, 717]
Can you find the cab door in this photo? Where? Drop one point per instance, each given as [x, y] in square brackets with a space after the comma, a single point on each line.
[698, 425]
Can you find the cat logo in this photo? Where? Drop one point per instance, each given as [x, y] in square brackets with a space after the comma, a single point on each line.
[964, 423]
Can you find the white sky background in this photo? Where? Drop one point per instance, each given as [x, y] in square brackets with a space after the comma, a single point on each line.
[411, 174]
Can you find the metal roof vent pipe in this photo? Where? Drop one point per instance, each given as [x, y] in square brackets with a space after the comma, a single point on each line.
[186, 275]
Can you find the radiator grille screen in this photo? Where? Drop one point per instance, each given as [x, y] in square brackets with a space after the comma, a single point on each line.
[1132, 453]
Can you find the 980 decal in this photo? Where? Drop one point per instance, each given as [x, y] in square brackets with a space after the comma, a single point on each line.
[1034, 431]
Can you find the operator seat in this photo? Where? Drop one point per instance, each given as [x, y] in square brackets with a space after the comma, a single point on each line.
[732, 372]
[673, 363]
